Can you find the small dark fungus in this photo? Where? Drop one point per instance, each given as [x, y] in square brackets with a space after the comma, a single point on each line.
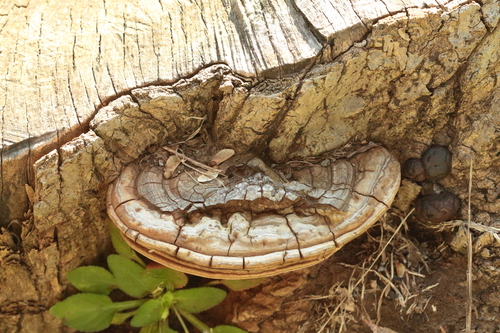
[438, 207]
[414, 169]
[431, 188]
[437, 162]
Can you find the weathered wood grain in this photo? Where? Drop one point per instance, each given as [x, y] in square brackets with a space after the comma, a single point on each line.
[67, 59]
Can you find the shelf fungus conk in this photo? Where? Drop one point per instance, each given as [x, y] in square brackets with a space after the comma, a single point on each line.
[249, 223]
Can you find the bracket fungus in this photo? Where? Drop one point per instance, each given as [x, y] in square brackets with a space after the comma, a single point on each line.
[253, 222]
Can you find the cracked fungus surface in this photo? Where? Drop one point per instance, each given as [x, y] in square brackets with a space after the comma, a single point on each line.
[249, 223]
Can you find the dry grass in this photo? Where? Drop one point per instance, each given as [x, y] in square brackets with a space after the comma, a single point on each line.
[383, 274]
[468, 322]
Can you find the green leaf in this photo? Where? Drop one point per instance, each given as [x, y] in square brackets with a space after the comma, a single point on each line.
[167, 299]
[166, 277]
[157, 327]
[151, 328]
[92, 279]
[198, 299]
[120, 317]
[227, 329]
[121, 246]
[239, 285]
[128, 276]
[148, 313]
[85, 312]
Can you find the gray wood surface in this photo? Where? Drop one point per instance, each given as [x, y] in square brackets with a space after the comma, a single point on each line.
[61, 61]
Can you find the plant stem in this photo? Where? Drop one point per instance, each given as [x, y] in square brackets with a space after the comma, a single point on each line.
[180, 319]
[193, 320]
[119, 306]
[120, 317]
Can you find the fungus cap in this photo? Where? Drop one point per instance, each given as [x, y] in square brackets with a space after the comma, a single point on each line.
[251, 225]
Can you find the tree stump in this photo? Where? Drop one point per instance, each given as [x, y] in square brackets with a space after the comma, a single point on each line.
[90, 87]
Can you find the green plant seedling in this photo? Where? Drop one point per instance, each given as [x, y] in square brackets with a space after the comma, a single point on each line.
[197, 300]
[160, 326]
[149, 312]
[157, 289]
[92, 279]
[121, 247]
[90, 312]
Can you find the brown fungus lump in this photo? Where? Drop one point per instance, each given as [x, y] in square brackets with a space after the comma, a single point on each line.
[437, 207]
[414, 169]
[435, 203]
[436, 162]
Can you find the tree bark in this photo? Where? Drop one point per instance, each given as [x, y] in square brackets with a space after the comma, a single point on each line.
[89, 87]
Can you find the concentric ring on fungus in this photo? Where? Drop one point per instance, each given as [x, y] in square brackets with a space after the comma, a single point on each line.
[250, 225]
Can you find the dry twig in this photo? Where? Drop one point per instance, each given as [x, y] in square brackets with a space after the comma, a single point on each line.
[345, 301]
[468, 324]
[183, 158]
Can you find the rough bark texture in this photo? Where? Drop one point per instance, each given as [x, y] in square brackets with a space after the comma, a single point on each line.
[89, 88]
